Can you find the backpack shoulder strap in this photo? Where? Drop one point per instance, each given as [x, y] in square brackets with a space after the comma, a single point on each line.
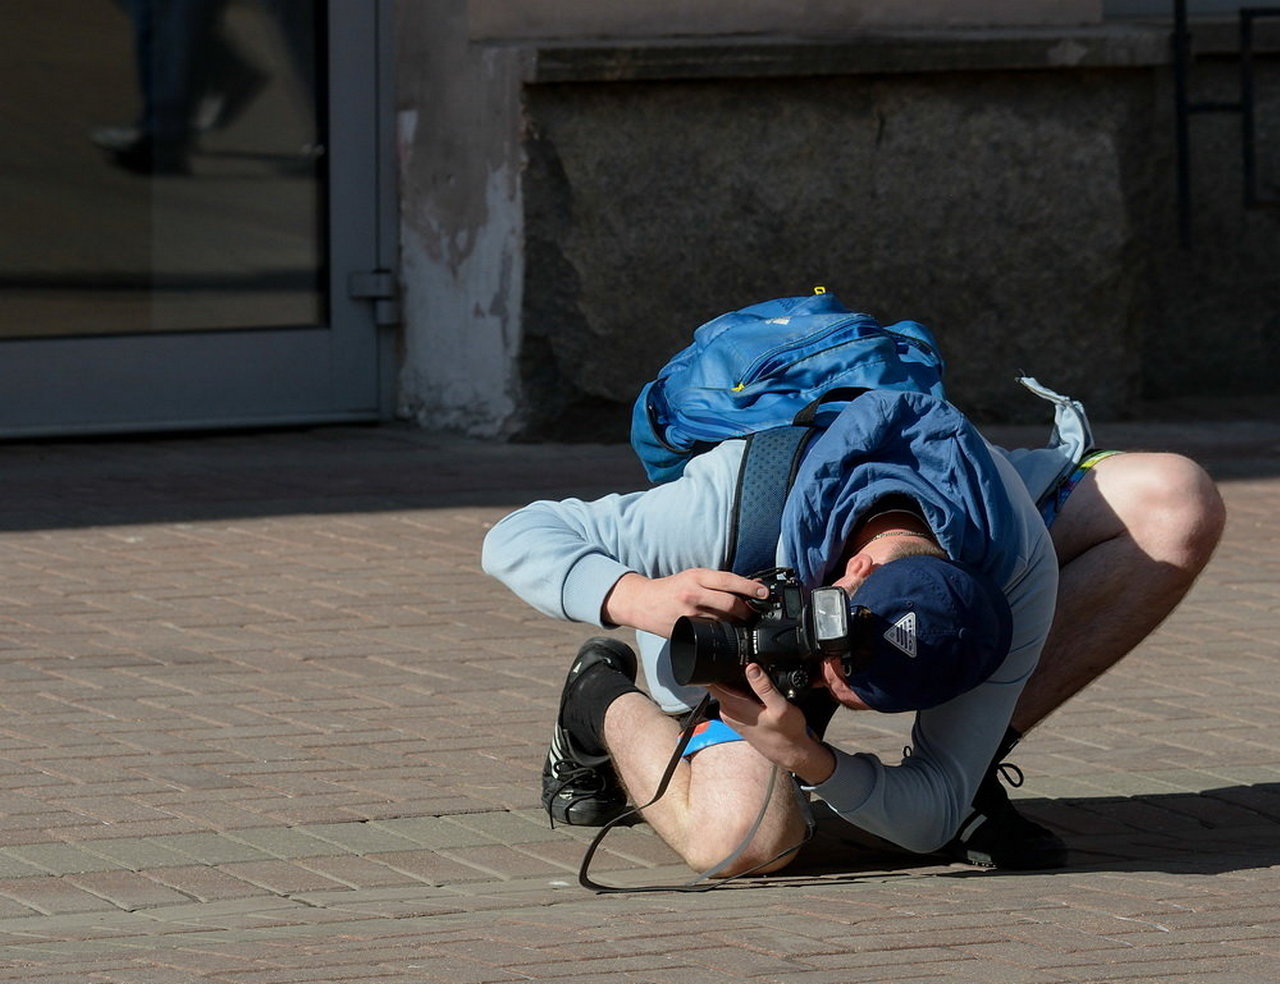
[768, 470]
[769, 465]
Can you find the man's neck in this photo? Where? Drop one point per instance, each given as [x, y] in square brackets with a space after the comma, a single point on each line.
[893, 522]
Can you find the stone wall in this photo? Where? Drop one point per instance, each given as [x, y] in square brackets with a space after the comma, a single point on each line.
[1007, 210]
[572, 210]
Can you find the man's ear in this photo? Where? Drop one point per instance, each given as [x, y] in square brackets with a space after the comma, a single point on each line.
[859, 565]
[833, 676]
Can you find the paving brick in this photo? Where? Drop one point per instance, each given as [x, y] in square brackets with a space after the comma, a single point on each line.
[11, 867]
[357, 838]
[357, 872]
[428, 866]
[257, 652]
[285, 842]
[127, 889]
[58, 859]
[203, 883]
[51, 895]
[210, 848]
[505, 862]
[280, 877]
[435, 833]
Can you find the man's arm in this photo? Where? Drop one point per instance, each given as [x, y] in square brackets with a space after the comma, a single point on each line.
[654, 604]
[640, 560]
[920, 802]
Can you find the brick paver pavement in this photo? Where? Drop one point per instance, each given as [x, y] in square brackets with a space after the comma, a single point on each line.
[263, 720]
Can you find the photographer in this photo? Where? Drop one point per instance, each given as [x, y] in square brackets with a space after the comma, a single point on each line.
[904, 506]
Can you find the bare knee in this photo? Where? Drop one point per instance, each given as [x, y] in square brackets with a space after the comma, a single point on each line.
[768, 850]
[753, 860]
[1169, 506]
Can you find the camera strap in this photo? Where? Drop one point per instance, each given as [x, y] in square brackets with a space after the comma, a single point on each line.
[703, 882]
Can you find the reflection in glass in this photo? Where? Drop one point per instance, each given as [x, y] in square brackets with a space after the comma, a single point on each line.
[163, 167]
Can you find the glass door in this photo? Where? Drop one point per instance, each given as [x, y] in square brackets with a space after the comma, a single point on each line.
[195, 214]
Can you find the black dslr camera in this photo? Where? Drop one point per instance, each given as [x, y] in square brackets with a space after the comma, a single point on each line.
[789, 637]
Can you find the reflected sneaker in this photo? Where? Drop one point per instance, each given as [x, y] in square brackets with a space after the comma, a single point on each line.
[579, 788]
[996, 835]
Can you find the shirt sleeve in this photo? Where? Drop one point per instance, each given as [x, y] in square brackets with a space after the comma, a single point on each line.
[920, 802]
[564, 557]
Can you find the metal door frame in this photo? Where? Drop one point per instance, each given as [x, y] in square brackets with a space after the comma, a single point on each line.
[341, 371]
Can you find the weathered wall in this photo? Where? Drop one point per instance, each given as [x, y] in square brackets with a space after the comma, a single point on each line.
[467, 362]
[571, 212]
[462, 248]
[999, 209]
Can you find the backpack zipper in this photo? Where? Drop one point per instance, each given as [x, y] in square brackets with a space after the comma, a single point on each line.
[747, 375]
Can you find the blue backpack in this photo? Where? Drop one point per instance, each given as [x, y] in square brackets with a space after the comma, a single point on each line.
[757, 368]
[774, 373]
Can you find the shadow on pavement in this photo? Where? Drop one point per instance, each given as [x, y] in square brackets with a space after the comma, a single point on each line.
[1231, 828]
[318, 471]
[331, 470]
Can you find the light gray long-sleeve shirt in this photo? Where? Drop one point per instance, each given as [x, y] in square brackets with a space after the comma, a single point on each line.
[564, 557]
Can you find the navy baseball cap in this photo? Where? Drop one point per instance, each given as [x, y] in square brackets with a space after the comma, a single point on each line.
[935, 629]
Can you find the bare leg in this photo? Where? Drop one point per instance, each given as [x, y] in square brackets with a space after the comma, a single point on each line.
[713, 798]
[1131, 540]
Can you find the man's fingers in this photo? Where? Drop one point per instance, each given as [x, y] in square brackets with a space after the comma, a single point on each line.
[727, 608]
[737, 709]
[732, 583]
[763, 686]
[723, 595]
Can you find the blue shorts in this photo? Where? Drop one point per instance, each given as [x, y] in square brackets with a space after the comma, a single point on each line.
[1051, 505]
[710, 733]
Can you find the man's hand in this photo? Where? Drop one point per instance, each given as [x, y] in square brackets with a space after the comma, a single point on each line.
[654, 604]
[775, 727]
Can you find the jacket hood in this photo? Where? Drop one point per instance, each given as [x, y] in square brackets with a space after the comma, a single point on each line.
[913, 444]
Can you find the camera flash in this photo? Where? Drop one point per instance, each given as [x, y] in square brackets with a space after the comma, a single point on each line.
[830, 608]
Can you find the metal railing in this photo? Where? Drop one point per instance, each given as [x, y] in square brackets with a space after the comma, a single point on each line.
[1246, 106]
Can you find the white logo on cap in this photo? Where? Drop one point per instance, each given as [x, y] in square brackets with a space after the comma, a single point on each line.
[903, 634]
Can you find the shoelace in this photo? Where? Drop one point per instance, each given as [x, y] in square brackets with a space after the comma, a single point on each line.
[598, 782]
[1007, 771]
[1011, 774]
[582, 790]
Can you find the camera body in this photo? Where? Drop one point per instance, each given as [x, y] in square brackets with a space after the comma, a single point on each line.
[790, 635]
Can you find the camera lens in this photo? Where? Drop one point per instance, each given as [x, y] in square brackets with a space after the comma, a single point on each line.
[705, 651]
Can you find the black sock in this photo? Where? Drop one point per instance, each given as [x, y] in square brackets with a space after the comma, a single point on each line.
[584, 706]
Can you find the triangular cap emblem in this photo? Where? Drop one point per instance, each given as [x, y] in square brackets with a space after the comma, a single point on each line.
[902, 635]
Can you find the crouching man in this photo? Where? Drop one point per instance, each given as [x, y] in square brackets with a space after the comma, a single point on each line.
[999, 594]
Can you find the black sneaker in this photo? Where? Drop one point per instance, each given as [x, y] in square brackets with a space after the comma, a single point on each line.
[580, 789]
[996, 835]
